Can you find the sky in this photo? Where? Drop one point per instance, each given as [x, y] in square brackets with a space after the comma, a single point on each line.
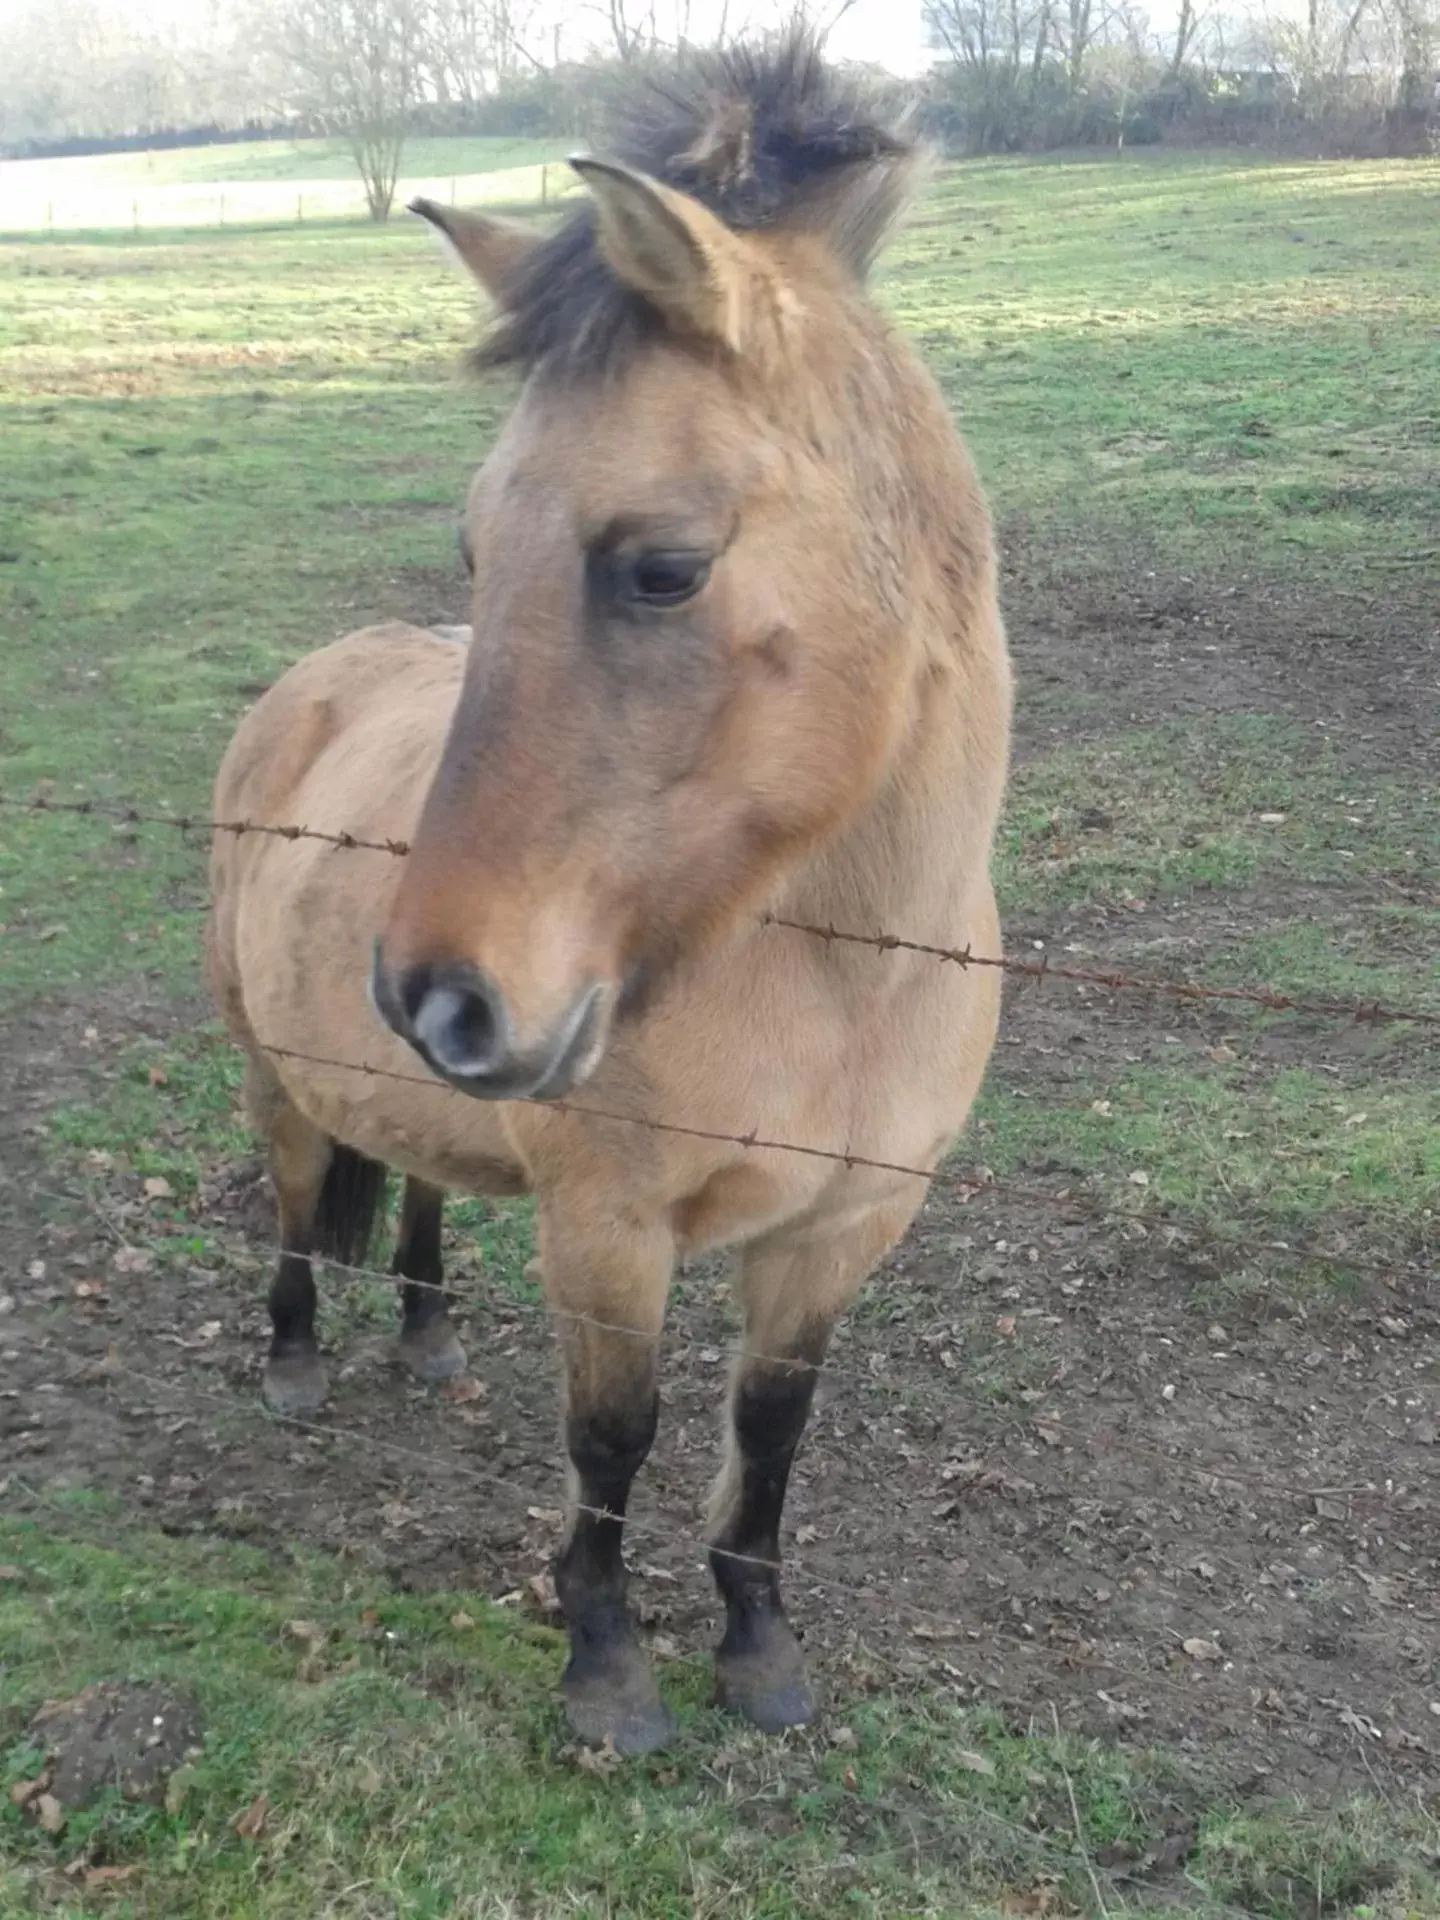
[886, 32]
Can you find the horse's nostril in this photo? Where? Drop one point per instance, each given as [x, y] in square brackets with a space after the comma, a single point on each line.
[414, 984]
[459, 1020]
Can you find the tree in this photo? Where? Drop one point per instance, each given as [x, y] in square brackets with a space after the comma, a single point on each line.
[356, 68]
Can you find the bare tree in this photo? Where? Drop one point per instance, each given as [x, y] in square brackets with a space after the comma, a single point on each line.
[1187, 26]
[1415, 25]
[469, 48]
[356, 68]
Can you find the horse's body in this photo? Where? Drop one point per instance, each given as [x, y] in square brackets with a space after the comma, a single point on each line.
[636, 767]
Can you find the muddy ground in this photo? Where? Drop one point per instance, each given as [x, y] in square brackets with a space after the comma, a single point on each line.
[1055, 1464]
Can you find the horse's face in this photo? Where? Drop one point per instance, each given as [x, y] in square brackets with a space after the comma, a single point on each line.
[683, 673]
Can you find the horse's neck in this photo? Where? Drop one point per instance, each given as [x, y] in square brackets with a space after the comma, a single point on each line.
[911, 863]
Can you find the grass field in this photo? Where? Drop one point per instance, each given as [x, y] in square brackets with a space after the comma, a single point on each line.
[261, 182]
[1202, 394]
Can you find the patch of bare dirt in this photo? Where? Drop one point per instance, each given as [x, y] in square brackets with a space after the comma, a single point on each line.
[121, 1735]
[1138, 645]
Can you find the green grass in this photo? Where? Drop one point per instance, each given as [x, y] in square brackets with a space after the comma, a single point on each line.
[277, 160]
[414, 1765]
[1217, 802]
[221, 449]
[1280, 1156]
[267, 182]
[1224, 357]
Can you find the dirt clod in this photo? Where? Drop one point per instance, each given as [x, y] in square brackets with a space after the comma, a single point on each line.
[113, 1735]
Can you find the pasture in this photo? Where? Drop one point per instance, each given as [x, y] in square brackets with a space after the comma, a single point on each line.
[1114, 1536]
[262, 181]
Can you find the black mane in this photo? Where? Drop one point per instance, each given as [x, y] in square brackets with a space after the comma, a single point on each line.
[756, 132]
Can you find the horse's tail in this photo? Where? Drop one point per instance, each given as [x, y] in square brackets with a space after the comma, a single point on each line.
[350, 1204]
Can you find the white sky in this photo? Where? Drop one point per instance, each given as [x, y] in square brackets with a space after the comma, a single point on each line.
[887, 32]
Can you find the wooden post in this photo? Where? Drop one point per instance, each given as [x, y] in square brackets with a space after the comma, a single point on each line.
[299, 209]
[452, 189]
[222, 209]
[544, 185]
[50, 216]
[135, 216]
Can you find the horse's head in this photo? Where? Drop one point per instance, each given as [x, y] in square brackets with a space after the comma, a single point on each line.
[704, 573]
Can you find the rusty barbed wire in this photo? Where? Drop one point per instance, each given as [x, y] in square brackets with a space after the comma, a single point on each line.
[1111, 980]
[1114, 981]
[983, 1181]
[130, 816]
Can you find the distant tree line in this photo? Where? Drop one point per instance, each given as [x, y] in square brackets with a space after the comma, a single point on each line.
[1008, 75]
[1350, 76]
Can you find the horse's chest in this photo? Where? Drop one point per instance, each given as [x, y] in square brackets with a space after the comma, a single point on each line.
[735, 1203]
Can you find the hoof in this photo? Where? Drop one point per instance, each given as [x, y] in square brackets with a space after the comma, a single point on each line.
[620, 1704]
[432, 1352]
[767, 1685]
[295, 1383]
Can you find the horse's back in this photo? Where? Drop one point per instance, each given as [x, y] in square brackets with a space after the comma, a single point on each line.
[322, 697]
[345, 742]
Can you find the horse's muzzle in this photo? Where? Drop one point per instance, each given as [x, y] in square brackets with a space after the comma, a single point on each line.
[455, 1017]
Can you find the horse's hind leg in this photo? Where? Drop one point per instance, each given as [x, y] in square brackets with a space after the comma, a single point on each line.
[327, 1197]
[300, 1158]
[793, 1287]
[428, 1344]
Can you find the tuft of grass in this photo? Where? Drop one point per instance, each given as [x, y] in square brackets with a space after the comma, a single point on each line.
[1314, 1861]
[1219, 802]
[1249, 1156]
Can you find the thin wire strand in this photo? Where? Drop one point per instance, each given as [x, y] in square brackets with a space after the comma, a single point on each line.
[1271, 999]
[131, 816]
[1043, 1424]
[967, 1185]
[807, 1571]
[1364, 1011]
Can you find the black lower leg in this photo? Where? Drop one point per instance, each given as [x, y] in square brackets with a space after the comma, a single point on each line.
[417, 1255]
[292, 1304]
[610, 1690]
[771, 1406]
[607, 1449]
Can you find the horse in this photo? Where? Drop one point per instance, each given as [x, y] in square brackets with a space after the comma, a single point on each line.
[736, 658]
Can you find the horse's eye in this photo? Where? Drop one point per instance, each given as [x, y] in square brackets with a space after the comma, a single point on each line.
[666, 579]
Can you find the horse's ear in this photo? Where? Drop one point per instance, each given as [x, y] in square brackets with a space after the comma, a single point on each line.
[672, 251]
[492, 251]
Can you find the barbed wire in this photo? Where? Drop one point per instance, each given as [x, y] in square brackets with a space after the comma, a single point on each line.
[1111, 980]
[969, 1186]
[131, 816]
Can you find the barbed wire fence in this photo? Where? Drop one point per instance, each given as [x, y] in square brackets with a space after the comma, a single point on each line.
[818, 1572]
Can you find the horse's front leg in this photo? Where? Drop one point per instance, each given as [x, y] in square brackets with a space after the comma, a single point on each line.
[793, 1285]
[595, 1283]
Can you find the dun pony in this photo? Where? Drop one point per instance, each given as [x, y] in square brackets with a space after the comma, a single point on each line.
[735, 654]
